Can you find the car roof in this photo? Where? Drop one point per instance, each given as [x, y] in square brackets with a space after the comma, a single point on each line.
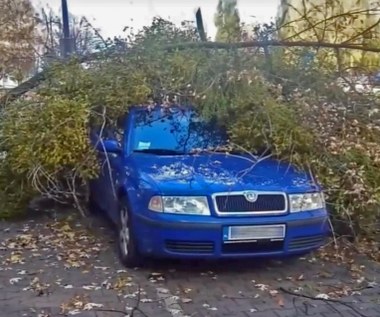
[138, 108]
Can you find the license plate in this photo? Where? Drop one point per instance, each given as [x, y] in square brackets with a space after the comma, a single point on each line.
[270, 232]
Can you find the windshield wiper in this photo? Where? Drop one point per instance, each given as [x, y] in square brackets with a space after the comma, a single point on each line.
[160, 151]
[217, 150]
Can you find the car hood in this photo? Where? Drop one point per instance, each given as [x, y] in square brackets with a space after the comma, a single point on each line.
[209, 173]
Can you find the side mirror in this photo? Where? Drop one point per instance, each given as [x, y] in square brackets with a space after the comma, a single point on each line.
[109, 146]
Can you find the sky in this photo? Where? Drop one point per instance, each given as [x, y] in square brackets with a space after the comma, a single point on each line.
[111, 16]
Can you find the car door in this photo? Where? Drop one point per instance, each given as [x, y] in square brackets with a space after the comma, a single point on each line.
[113, 167]
[104, 187]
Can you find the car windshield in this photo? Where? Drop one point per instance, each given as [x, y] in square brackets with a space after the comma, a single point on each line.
[175, 131]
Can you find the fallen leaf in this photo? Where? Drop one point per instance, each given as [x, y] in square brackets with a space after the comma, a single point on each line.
[187, 290]
[91, 287]
[262, 287]
[15, 258]
[360, 280]
[322, 296]
[325, 274]
[14, 280]
[273, 292]
[130, 295]
[372, 284]
[300, 278]
[280, 301]
[153, 274]
[90, 306]
[162, 290]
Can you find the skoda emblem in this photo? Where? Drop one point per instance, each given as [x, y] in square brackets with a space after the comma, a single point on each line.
[250, 196]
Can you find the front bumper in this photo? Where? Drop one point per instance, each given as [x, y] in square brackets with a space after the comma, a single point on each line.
[163, 235]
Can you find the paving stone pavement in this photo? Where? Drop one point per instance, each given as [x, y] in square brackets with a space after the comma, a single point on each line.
[51, 268]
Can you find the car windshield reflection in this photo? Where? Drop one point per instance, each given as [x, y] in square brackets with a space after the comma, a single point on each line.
[175, 131]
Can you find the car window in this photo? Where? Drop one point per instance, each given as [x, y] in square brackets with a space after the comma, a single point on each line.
[177, 130]
[107, 133]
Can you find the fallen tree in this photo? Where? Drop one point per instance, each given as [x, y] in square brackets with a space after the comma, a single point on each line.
[34, 81]
[296, 111]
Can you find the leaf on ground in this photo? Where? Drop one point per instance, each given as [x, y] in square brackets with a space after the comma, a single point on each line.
[273, 292]
[280, 301]
[90, 306]
[300, 278]
[322, 296]
[262, 287]
[372, 284]
[14, 280]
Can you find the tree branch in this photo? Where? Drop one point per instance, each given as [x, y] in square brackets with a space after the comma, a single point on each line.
[363, 32]
[276, 43]
[336, 301]
[312, 26]
[36, 79]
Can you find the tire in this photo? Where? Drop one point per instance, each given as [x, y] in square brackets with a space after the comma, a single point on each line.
[126, 242]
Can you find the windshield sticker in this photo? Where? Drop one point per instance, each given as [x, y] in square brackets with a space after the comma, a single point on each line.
[143, 145]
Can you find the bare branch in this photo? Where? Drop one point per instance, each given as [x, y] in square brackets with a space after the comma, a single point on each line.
[312, 26]
[336, 301]
[356, 36]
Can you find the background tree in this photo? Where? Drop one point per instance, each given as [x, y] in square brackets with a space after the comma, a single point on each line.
[227, 21]
[18, 38]
[87, 38]
[333, 21]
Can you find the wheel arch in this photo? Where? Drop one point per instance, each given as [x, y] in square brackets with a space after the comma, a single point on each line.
[124, 196]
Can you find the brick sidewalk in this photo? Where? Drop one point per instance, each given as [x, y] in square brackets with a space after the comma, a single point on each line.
[56, 268]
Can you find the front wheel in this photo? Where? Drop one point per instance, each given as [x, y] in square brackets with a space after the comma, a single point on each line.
[127, 246]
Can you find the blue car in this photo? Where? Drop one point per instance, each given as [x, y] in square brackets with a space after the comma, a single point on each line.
[173, 192]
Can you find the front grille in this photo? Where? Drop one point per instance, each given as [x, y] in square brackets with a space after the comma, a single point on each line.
[238, 203]
[253, 247]
[189, 246]
[306, 242]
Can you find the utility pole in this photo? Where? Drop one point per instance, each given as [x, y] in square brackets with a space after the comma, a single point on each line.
[67, 42]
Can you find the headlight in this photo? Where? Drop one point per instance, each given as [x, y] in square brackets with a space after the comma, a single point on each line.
[305, 202]
[185, 205]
